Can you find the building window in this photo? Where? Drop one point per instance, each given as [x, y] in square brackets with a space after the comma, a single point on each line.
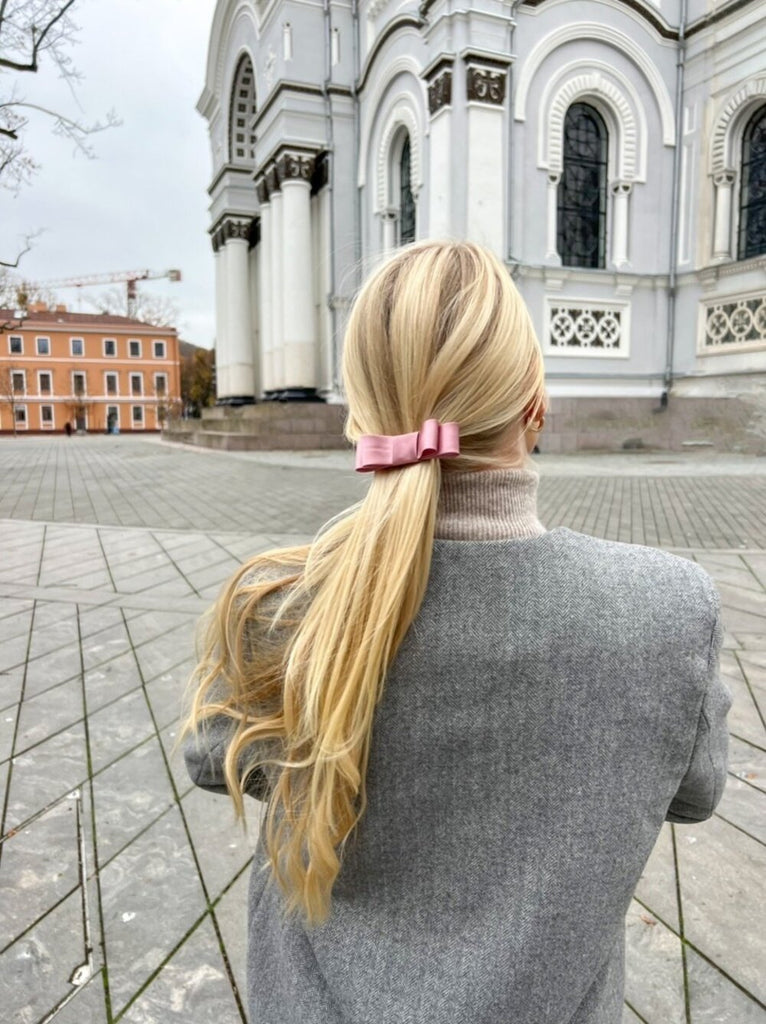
[78, 383]
[43, 346]
[136, 383]
[78, 346]
[752, 194]
[20, 415]
[138, 415]
[161, 383]
[111, 384]
[134, 349]
[44, 383]
[18, 382]
[582, 190]
[406, 198]
[46, 416]
[159, 350]
[16, 345]
[110, 347]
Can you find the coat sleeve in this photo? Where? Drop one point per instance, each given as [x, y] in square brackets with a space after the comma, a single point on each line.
[204, 752]
[702, 786]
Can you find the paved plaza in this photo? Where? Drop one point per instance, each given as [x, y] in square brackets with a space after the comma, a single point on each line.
[123, 887]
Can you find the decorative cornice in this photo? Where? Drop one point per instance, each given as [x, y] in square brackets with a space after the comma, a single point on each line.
[487, 58]
[714, 17]
[400, 22]
[662, 27]
[485, 85]
[306, 88]
[440, 92]
[440, 62]
[226, 169]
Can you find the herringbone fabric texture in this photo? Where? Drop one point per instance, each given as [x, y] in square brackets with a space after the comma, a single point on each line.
[555, 700]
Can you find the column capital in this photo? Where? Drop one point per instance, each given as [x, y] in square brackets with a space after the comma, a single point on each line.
[271, 180]
[295, 165]
[485, 85]
[232, 228]
[727, 177]
[621, 187]
[262, 189]
[440, 91]
[554, 177]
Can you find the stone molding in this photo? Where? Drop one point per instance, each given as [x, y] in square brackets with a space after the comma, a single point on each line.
[746, 97]
[485, 85]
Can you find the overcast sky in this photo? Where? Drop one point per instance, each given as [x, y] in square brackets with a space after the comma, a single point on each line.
[142, 203]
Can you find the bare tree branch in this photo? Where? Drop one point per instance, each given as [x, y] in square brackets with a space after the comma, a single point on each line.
[38, 40]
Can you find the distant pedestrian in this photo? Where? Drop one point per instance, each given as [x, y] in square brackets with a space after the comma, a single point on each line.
[468, 729]
[68, 428]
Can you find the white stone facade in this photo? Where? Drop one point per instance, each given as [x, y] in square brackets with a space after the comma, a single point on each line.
[317, 112]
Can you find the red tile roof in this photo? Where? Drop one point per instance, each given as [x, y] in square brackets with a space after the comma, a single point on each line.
[9, 323]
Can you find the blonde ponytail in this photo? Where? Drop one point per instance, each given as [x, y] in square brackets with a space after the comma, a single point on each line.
[300, 640]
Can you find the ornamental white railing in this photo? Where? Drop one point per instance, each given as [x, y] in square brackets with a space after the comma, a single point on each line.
[732, 324]
[587, 327]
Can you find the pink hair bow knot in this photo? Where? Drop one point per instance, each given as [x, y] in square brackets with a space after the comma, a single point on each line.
[434, 440]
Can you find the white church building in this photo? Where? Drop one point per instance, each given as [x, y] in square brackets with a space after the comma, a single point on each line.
[611, 152]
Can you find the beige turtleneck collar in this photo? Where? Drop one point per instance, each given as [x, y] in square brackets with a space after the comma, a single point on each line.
[491, 504]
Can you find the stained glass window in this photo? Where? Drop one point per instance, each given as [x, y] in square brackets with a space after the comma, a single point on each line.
[406, 199]
[752, 193]
[582, 189]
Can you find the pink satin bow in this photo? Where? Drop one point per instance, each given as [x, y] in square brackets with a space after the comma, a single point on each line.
[434, 440]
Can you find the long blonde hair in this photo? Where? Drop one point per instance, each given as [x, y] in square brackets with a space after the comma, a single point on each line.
[299, 642]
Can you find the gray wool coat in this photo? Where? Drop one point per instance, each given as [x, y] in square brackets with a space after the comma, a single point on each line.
[555, 701]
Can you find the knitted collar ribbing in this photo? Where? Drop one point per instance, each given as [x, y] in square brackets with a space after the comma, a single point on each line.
[491, 504]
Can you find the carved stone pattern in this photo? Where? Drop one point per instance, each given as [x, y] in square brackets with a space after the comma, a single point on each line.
[738, 322]
[582, 327]
[272, 180]
[485, 86]
[724, 178]
[440, 92]
[595, 84]
[753, 90]
[295, 166]
[262, 190]
[239, 229]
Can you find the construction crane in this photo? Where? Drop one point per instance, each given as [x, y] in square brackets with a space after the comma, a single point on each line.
[130, 277]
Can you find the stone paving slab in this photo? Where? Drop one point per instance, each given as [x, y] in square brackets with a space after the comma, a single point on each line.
[124, 888]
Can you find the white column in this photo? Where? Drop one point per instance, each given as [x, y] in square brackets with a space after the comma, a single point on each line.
[724, 182]
[551, 225]
[240, 382]
[388, 219]
[485, 153]
[440, 156]
[264, 305]
[620, 194]
[277, 350]
[298, 323]
[221, 355]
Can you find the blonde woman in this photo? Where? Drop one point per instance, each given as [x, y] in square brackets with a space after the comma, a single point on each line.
[468, 729]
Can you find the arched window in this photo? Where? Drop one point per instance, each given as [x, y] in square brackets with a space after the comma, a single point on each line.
[241, 138]
[406, 199]
[581, 222]
[752, 194]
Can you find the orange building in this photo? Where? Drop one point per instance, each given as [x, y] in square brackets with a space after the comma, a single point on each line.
[93, 371]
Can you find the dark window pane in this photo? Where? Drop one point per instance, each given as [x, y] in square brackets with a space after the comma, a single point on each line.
[582, 189]
[752, 193]
[406, 199]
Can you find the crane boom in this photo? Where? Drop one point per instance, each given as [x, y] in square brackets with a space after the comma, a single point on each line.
[129, 277]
